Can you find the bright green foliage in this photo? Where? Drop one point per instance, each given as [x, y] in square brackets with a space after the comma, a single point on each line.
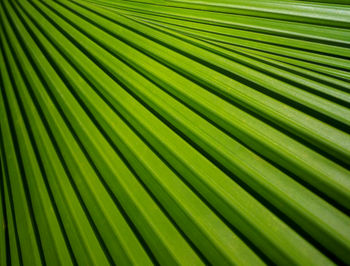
[182, 132]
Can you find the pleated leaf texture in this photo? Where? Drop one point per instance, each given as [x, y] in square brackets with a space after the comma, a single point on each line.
[175, 132]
